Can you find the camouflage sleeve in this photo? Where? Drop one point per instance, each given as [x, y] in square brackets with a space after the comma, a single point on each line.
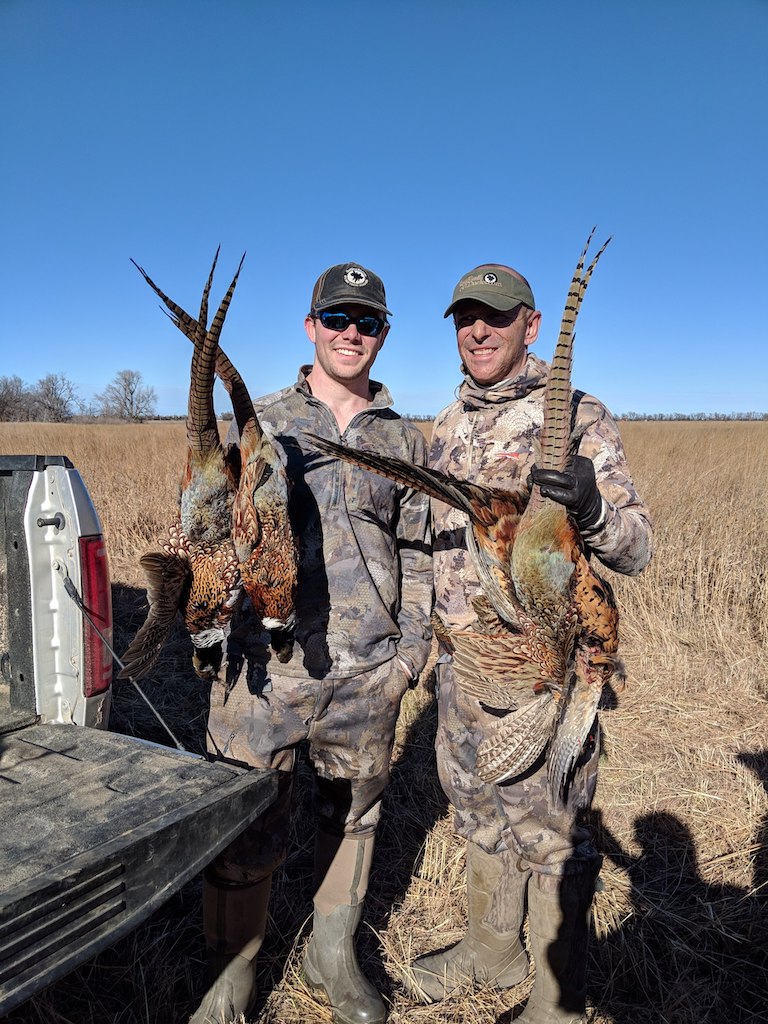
[414, 542]
[623, 536]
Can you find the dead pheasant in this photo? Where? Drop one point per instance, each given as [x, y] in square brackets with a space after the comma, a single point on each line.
[261, 531]
[547, 624]
[197, 571]
[232, 532]
[575, 614]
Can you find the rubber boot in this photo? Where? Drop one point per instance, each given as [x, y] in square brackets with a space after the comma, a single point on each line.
[491, 951]
[342, 867]
[559, 933]
[234, 921]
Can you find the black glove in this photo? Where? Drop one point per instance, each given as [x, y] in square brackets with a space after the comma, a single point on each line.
[576, 488]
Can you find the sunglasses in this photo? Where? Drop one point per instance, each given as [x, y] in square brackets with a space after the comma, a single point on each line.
[491, 317]
[369, 326]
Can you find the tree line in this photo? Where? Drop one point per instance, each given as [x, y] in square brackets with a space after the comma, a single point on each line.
[694, 416]
[649, 416]
[55, 399]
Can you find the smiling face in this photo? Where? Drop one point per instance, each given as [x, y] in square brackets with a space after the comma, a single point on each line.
[493, 344]
[347, 356]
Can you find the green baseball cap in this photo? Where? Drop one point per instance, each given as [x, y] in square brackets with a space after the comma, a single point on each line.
[349, 282]
[493, 285]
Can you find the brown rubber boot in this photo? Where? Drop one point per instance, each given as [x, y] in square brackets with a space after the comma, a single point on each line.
[234, 921]
[342, 866]
[559, 932]
[491, 952]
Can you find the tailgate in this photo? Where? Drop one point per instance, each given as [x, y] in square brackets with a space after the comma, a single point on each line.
[98, 830]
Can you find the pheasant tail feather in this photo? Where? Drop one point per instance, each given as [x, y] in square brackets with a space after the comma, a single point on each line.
[555, 431]
[187, 324]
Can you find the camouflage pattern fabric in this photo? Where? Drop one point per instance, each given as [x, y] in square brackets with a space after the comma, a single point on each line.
[349, 725]
[365, 563]
[489, 436]
[363, 607]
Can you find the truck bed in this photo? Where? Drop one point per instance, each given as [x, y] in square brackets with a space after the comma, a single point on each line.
[98, 830]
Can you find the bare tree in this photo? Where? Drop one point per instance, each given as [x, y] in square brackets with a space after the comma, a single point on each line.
[127, 397]
[54, 398]
[15, 402]
[88, 410]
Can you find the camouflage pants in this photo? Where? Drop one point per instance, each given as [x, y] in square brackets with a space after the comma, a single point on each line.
[349, 726]
[513, 815]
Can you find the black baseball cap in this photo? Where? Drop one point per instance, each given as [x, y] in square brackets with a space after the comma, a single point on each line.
[349, 282]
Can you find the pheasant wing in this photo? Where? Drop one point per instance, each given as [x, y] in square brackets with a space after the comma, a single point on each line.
[594, 661]
[492, 573]
[167, 578]
[517, 742]
[577, 715]
[496, 670]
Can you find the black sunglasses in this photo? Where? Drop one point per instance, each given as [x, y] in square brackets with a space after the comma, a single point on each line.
[491, 317]
[369, 326]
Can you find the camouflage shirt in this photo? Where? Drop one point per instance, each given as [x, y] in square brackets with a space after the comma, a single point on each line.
[489, 435]
[365, 562]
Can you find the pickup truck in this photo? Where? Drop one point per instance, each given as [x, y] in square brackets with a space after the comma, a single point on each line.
[98, 829]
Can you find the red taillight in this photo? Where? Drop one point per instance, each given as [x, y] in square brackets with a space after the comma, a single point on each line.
[97, 598]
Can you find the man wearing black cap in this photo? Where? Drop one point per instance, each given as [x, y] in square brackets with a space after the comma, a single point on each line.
[363, 633]
[518, 846]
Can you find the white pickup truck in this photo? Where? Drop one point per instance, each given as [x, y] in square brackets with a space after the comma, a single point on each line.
[98, 829]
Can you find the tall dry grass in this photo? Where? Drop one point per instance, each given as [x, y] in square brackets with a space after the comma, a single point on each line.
[680, 923]
[132, 472]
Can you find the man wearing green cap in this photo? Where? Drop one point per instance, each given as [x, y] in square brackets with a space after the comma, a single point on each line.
[518, 847]
[362, 634]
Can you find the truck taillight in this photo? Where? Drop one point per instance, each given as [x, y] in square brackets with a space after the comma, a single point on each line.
[97, 598]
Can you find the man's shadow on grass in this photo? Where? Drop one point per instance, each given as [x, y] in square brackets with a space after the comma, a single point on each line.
[692, 950]
[757, 761]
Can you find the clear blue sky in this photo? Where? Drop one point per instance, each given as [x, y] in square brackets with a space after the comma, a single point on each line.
[418, 137]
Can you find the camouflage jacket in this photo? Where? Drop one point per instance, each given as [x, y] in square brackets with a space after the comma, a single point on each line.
[489, 436]
[365, 558]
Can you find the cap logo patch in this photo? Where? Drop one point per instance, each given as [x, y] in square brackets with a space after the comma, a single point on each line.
[356, 277]
[490, 278]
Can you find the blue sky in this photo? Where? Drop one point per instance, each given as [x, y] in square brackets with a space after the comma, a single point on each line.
[419, 138]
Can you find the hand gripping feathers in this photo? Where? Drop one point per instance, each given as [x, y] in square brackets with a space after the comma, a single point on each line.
[547, 624]
[232, 533]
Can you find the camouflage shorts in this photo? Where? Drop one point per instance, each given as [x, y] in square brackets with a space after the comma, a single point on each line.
[349, 727]
[514, 815]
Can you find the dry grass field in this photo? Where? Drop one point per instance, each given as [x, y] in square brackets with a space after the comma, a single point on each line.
[681, 815]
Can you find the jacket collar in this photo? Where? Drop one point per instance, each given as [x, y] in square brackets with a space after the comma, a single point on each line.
[382, 399]
[476, 396]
